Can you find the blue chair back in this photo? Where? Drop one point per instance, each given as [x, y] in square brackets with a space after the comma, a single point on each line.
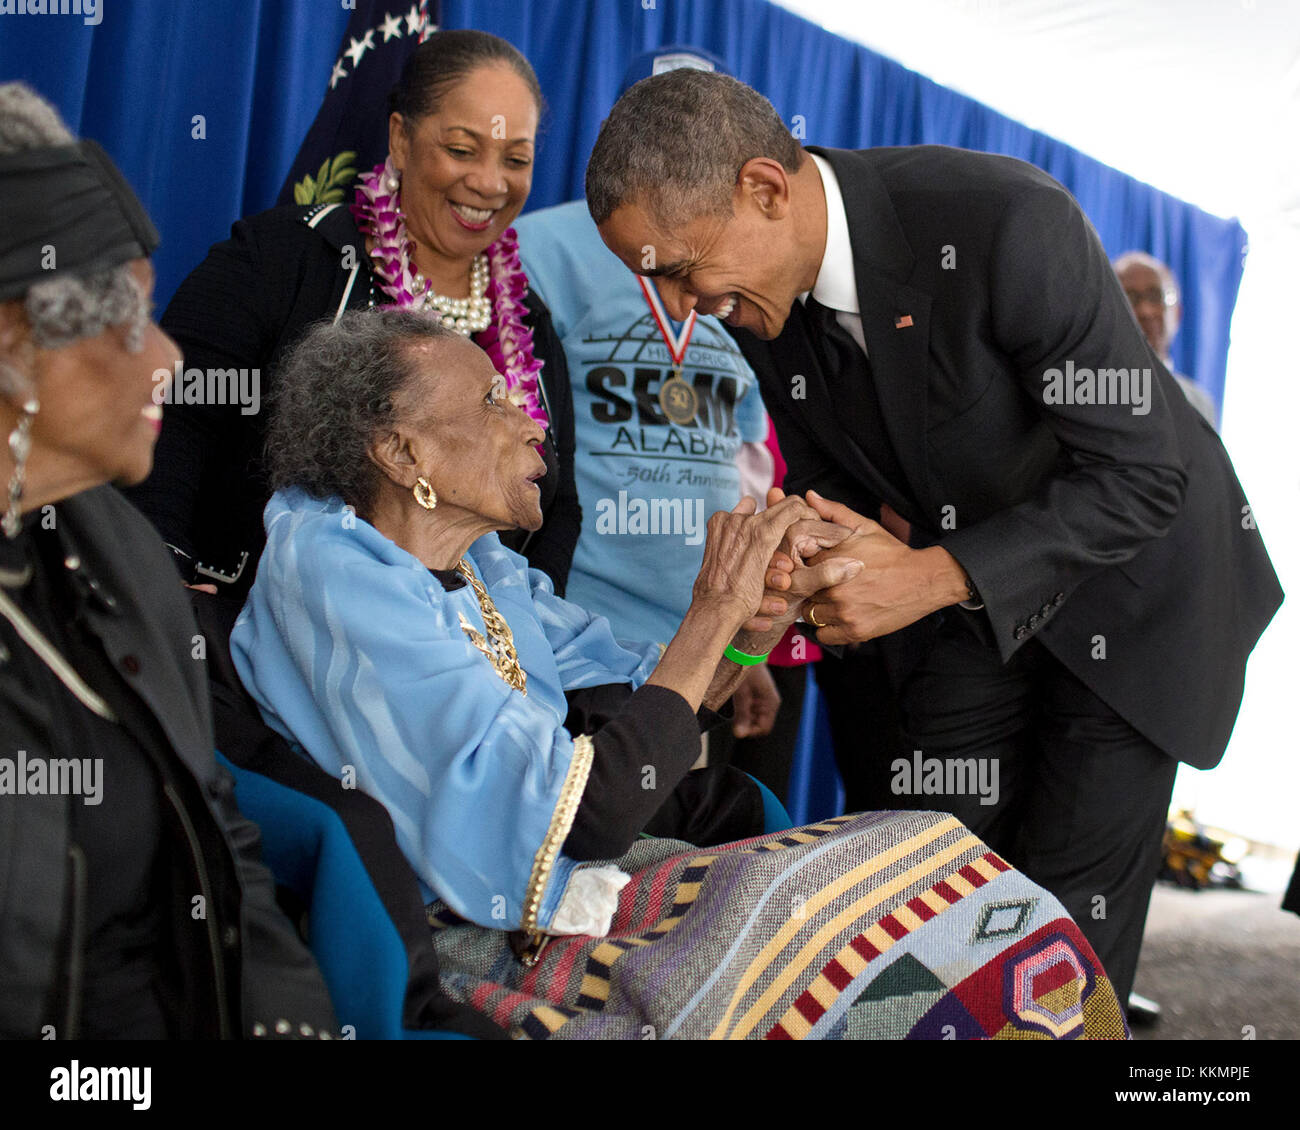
[360, 952]
[775, 817]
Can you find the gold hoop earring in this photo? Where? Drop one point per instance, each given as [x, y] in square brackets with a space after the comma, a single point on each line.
[424, 493]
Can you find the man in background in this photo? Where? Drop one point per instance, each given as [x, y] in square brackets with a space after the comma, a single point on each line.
[1152, 291]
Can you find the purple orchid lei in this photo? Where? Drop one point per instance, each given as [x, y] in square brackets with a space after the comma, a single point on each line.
[506, 340]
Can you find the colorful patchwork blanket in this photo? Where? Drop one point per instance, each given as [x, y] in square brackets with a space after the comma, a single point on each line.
[880, 925]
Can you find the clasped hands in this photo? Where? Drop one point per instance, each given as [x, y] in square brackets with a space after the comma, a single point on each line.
[850, 577]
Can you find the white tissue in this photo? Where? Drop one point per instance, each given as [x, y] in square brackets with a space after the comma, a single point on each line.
[589, 901]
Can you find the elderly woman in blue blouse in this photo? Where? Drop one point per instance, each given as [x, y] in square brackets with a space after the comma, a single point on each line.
[392, 636]
[520, 749]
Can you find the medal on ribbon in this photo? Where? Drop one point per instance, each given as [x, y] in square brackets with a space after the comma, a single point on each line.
[677, 397]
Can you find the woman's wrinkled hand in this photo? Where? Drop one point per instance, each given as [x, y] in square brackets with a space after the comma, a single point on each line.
[737, 553]
[808, 536]
[790, 579]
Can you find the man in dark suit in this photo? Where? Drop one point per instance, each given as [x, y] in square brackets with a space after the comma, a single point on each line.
[1062, 569]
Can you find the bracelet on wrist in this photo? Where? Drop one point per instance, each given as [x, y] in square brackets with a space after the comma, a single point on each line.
[743, 657]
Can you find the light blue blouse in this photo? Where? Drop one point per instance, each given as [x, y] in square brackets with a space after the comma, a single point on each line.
[357, 655]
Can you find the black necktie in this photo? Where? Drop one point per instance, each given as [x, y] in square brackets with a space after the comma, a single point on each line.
[852, 384]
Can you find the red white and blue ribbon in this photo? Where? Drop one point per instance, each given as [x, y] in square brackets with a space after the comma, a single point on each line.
[678, 342]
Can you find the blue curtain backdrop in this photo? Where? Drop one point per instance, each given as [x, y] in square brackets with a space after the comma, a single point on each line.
[256, 70]
[253, 71]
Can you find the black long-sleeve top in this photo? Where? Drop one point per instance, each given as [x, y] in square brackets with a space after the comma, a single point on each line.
[137, 907]
[653, 728]
[250, 300]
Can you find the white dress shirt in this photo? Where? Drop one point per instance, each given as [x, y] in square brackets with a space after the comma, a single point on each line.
[836, 287]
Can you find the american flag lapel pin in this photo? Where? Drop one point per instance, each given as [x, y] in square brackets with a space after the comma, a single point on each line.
[902, 321]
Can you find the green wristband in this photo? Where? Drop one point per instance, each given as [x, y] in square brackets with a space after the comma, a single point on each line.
[743, 658]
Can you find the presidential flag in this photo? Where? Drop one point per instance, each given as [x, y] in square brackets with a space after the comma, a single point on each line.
[350, 133]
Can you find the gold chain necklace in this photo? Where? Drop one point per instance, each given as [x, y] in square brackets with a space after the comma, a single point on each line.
[501, 651]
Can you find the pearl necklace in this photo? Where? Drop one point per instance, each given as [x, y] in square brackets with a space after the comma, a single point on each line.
[465, 315]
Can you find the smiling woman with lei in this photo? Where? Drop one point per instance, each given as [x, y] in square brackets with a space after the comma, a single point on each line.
[434, 222]
[494, 312]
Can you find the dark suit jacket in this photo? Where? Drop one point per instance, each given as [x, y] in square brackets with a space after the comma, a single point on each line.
[1094, 528]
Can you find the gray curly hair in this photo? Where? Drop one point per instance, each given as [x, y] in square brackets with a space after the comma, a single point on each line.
[336, 390]
[71, 307]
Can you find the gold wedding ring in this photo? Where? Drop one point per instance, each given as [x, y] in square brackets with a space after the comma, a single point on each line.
[812, 617]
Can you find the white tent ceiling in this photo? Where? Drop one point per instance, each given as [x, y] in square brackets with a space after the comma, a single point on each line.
[1140, 84]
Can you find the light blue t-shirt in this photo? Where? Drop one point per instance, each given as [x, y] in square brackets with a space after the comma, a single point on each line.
[647, 485]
